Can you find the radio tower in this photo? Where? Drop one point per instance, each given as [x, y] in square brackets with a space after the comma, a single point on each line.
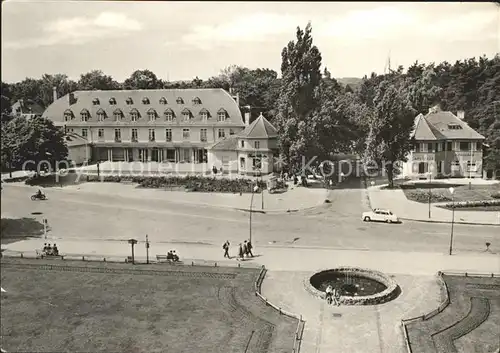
[387, 67]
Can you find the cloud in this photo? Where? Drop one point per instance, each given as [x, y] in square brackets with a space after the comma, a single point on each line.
[81, 30]
[251, 28]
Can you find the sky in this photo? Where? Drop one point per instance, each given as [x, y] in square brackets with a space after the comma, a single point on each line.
[182, 40]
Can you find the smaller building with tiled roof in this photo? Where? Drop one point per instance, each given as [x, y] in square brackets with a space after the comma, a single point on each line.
[26, 108]
[79, 149]
[444, 146]
[252, 151]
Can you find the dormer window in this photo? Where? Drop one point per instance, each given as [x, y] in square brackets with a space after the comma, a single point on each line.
[196, 101]
[221, 115]
[204, 116]
[112, 101]
[101, 115]
[68, 115]
[179, 100]
[169, 115]
[163, 101]
[151, 115]
[454, 127]
[118, 115]
[85, 115]
[129, 101]
[145, 100]
[134, 115]
[186, 114]
[95, 101]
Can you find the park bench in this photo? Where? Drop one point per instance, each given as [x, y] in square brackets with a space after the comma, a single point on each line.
[42, 255]
[163, 258]
[128, 259]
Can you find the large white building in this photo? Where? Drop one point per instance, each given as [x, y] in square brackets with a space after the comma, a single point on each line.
[174, 125]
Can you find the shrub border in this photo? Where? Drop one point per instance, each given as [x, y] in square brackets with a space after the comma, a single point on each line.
[444, 303]
[388, 294]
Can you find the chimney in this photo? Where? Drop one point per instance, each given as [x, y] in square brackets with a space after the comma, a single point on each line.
[247, 118]
[238, 99]
[54, 93]
[71, 98]
[461, 114]
[231, 91]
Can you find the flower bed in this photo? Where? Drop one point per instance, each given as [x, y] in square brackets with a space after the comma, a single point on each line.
[390, 293]
[189, 183]
[470, 204]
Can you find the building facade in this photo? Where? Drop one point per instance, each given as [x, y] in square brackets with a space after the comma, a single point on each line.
[26, 109]
[174, 125]
[444, 146]
[251, 152]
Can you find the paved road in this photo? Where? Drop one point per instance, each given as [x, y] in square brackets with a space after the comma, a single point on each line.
[74, 216]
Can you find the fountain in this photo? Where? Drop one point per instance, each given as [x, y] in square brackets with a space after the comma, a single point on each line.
[356, 286]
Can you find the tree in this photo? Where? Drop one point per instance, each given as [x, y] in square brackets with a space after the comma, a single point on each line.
[143, 79]
[393, 120]
[424, 92]
[301, 78]
[5, 102]
[29, 143]
[97, 80]
[28, 89]
[62, 84]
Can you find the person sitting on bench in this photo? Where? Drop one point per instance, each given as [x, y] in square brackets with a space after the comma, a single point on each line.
[55, 250]
[170, 255]
[45, 248]
[49, 250]
[176, 257]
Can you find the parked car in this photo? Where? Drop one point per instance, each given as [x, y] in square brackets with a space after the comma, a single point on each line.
[380, 215]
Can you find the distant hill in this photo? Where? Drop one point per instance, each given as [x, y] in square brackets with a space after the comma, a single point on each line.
[354, 82]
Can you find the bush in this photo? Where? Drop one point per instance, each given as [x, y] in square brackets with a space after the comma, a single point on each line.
[469, 204]
[496, 195]
[16, 180]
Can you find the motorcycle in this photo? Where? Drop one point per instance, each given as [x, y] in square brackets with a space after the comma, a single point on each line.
[38, 197]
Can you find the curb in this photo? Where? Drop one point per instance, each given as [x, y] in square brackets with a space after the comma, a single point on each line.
[270, 211]
[448, 222]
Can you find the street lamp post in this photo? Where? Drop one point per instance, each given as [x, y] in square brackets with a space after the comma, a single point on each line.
[452, 217]
[132, 243]
[98, 170]
[147, 249]
[254, 190]
[430, 193]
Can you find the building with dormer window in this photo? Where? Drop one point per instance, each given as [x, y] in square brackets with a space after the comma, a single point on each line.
[175, 125]
[444, 146]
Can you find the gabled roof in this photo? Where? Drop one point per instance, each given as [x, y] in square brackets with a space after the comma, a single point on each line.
[435, 126]
[227, 144]
[261, 128]
[211, 99]
[26, 106]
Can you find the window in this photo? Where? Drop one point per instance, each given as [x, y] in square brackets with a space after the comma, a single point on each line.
[151, 134]
[231, 132]
[440, 167]
[196, 101]
[68, 116]
[85, 115]
[101, 115]
[479, 146]
[242, 144]
[163, 101]
[112, 101]
[430, 147]
[456, 164]
[256, 144]
[168, 135]
[204, 116]
[179, 100]
[169, 116]
[203, 135]
[464, 146]
[422, 167]
[256, 163]
[185, 134]
[95, 101]
[448, 146]
[242, 162]
[118, 135]
[145, 100]
[85, 133]
[416, 146]
[117, 115]
[221, 116]
[134, 116]
[129, 101]
[152, 115]
[454, 127]
[100, 133]
[186, 115]
[222, 133]
[134, 135]
[439, 146]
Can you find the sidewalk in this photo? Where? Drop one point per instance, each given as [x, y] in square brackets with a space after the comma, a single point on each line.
[327, 329]
[295, 199]
[396, 201]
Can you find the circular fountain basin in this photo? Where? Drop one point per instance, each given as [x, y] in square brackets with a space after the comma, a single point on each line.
[357, 286]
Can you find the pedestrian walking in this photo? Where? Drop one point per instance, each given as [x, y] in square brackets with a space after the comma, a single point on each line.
[249, 248]
[336, 296]
[240, 252]
[226, 249]
[245, 248]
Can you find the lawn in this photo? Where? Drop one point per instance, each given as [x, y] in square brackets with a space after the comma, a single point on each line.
[104, 307]
[441, 193]
[469, 324]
